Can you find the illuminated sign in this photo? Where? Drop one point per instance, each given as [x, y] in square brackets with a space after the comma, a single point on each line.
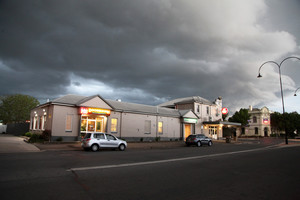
[224, 111]
[98, 111]
[266, 121]
[190, 120]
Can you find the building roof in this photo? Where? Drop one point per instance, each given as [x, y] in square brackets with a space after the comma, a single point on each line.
[144, 109]
[76, 100]
[185, 100]
[69, 99]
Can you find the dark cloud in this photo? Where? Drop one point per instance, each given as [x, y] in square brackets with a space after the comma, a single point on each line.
[145, 51]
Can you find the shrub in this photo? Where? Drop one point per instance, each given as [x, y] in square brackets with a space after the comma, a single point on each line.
[46, 135]
[28, 134]
[35, 138]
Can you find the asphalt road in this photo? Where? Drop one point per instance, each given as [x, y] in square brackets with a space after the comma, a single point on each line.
[223, 171]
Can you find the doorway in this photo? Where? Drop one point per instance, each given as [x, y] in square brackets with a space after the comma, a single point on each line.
[187, 130]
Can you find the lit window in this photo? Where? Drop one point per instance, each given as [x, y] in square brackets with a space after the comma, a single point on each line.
[113, 126]
[69, 122]
[160, 128]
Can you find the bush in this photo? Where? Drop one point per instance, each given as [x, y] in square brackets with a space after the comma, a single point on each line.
[46, 135]
[35, 138]
[28, 134]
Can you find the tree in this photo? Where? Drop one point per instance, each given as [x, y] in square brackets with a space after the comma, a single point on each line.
[241, 116]
[292, 122]
[16, 108]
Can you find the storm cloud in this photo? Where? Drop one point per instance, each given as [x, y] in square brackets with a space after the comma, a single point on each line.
[149, 51]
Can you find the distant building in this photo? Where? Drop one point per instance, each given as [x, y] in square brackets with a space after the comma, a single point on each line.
[209, 115]
[71, 116]
[259, 123]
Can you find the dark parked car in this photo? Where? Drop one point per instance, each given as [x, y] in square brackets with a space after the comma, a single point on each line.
[198, 139]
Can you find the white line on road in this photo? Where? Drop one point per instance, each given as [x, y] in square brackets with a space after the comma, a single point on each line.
[162, 161]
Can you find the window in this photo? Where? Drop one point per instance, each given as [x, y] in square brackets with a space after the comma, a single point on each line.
[44, 122]
[35, 123]
[254, 119]
[113, 125]
[41, 122]
[147, 126]
[99, 136]
[110, 137]
[160, 127]
[207, 110]
[198, 108]
[69, 122]
[256, 130]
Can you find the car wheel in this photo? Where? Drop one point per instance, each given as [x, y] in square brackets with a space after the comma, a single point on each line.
[122, 147]
[199, 144]
[95, 147]
[210, 143]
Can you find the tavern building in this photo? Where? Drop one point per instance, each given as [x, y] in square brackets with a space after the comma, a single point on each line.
[71, 116]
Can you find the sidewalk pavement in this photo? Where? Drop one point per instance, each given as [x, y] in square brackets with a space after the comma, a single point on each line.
[76, 146]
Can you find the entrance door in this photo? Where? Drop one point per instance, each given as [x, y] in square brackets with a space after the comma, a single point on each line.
[91, 125]
[187, 130]
[266, 132]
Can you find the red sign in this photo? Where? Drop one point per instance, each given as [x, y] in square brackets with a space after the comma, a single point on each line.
[99, 111]
[224, 111]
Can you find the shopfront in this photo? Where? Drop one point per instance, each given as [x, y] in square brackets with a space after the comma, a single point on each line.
[93, 119]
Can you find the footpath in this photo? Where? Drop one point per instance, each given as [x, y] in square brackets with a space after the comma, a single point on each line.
[130, 145]
[76, 146]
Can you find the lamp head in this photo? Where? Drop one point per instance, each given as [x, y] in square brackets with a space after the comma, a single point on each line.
[259, 75]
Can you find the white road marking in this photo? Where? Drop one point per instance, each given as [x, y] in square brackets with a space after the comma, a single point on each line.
[162, 161]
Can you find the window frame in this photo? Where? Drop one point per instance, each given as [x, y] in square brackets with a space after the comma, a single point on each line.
[147, 128]
[114, 126]
[69, 123]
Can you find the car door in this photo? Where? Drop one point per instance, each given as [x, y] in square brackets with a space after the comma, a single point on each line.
[204, 140]
[111, 141]
[100, 139]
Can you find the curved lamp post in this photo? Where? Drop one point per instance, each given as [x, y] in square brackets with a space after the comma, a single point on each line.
[296, 91]
[279, 67]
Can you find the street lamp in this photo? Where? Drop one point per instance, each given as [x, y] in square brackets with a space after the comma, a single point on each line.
[296, 91]
[279, 68]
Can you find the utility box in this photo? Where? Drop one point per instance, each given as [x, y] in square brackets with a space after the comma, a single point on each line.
[3, 129]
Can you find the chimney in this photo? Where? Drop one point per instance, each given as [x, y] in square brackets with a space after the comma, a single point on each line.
[250, 108]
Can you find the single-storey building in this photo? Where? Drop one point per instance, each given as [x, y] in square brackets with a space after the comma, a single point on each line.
[69, 117]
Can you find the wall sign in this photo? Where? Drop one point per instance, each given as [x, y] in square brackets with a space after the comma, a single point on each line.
[97, 111]
[224, 111]
[190, 120]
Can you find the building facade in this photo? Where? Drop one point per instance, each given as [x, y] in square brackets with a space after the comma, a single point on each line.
[259, 123]
[69, 117]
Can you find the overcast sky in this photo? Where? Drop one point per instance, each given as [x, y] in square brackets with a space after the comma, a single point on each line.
[151, 51]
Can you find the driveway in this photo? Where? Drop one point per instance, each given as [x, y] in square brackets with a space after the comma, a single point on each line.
[13, 144]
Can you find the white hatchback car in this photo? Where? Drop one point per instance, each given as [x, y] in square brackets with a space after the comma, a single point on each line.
[95, 141]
